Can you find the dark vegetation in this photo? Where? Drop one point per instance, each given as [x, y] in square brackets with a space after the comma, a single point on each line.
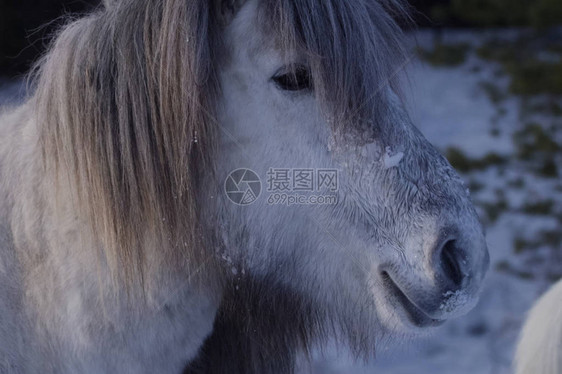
[26, 27]
[464, 163]
[445, 54]
[540, 14]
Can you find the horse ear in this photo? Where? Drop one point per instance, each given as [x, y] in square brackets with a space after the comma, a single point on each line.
[226, 9]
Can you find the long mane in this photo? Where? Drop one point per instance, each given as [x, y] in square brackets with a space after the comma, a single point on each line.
[354, 50]
[121, 96]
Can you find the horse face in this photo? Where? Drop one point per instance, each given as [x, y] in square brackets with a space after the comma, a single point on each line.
[401, 249]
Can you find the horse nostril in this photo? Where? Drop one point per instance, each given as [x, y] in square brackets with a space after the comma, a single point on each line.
[451, 257]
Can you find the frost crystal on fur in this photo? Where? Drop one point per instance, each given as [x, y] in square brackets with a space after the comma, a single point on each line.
[392, 159]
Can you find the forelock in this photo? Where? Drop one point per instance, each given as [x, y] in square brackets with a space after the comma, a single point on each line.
[354, 49]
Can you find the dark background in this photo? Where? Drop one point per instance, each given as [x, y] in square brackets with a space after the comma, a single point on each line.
[26, 25]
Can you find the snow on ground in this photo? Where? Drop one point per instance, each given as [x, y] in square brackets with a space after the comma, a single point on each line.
[449, 105]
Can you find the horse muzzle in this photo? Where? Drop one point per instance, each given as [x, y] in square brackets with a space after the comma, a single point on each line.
[446, 284]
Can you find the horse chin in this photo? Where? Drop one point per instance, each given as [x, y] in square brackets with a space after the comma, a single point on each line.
[411, 314]
[405, 313]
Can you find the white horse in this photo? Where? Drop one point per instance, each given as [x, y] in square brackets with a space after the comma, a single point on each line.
[540, 345]
[120, 251]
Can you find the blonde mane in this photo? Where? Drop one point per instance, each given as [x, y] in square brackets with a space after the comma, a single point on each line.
[121, 96]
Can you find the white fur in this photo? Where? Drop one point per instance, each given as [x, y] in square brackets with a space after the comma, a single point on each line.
[540, 345]
[276, 129]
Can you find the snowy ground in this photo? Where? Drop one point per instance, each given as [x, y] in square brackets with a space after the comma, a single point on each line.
[11, 91]
[451, 108]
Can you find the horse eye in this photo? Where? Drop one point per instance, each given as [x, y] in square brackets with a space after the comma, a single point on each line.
[295, 79]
